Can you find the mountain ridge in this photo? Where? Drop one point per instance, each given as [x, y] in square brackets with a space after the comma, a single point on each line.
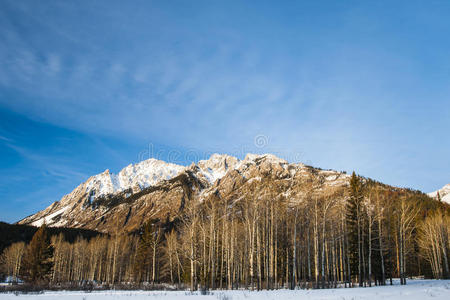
[154, 189]
[133, 179]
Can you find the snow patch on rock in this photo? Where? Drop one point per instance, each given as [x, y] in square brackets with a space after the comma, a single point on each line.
[444, 193]
[48, 219]
[135, 176]
[217, 166]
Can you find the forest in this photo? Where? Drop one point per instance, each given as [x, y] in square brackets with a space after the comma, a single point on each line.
[364, 235]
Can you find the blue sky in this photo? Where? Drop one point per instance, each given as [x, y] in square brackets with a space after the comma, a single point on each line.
[92, 85]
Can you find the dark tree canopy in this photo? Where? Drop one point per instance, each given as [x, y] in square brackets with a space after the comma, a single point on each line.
[37, 260]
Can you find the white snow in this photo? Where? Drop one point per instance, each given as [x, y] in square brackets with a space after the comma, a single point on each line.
[443, 192]
[141, 175]
[257, 178]
[48, 219]
[212, 175]
[331, 177]
[414, 290]
[217, 166]
[250, 157]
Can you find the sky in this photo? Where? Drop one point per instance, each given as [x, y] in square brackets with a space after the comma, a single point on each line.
[347, 85]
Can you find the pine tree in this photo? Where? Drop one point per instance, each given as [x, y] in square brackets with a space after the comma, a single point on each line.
[147, 251]
[353, 220]
[37, 261]
[142, 264]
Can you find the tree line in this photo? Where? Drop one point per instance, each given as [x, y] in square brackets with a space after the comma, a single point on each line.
[364, 235]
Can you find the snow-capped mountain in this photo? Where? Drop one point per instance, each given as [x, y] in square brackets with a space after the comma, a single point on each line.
[157, 189]
[444, 193]
[135, 176]
[151, 172]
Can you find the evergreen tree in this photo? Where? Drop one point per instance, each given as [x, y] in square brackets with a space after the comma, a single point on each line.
[353, 219]
[142, 264]
[37, 261]
[146, 252]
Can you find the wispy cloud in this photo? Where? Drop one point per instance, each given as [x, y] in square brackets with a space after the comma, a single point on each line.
[214, 79]
[57, 167]
[4, 138]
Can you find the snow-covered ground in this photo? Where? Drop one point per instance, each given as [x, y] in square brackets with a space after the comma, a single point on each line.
[415, 290]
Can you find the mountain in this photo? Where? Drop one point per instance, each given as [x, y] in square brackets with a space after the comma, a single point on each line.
[159, 190]
[444, 193]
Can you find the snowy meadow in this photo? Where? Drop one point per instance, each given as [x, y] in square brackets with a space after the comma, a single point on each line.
[414, 290]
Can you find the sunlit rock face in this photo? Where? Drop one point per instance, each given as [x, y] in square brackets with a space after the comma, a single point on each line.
[154, 189]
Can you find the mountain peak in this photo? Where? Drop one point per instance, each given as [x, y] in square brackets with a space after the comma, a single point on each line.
[267, 156]
[217, 165]
[444, 193]
[134, 176]
[157, 188]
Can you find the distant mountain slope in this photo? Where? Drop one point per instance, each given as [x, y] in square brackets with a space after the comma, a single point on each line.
[156, 189]
[444, 193]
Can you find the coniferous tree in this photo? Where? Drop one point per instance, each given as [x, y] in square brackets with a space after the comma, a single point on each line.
[354, 226]
[142, 267]
[37, 261]
[149, 240]
[314, 236]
